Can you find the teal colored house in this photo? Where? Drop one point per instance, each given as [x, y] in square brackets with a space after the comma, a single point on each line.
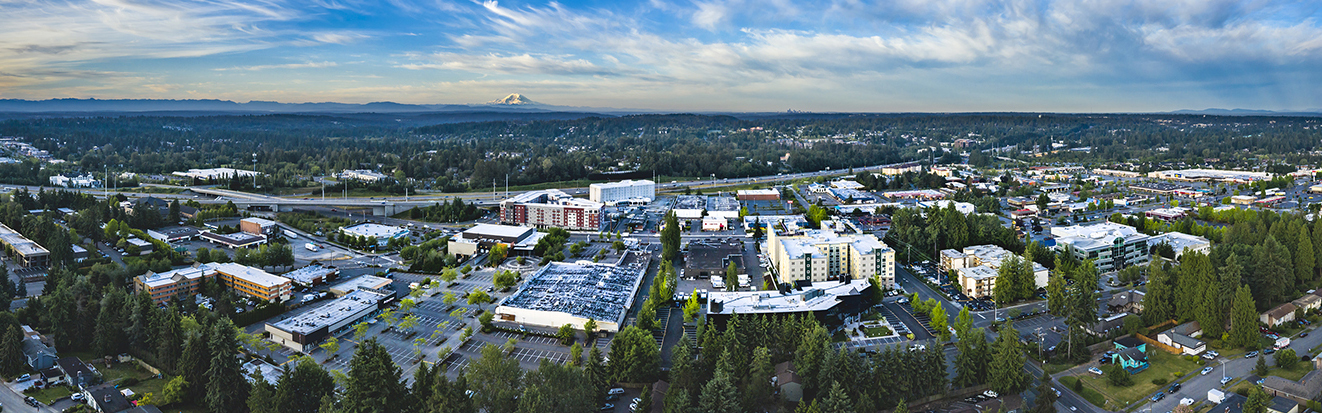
[1131, 353]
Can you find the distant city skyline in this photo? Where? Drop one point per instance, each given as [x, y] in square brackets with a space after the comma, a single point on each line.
[693, 55]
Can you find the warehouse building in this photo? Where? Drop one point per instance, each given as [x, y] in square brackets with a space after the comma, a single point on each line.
[364, 175]
[626, 191]
[1111, 246]
[552, 208]
[362, 282]
[305, 331]
[25, 252]
[235, 240]
[1193, 175]
[258, 226]
[479, 239]
[723, 207]
[689, 206]
[562, 293]
[824, 255]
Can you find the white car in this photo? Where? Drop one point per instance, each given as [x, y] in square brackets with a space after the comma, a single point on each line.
[1095, 370]
[1226, 379]
[1205, 371]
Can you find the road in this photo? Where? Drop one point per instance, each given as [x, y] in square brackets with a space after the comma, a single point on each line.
[1238, 367]
[13, 402]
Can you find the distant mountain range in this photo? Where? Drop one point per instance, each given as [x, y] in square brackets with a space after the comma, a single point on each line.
[511, 103]
[1247, 112]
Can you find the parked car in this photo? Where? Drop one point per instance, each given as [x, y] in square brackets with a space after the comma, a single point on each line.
[607, 407]
[1205, 371]
[1095, 370]
[617, 390]
[23, 378]
[1157, 397]
[1226, 379]
[1251, 354]
[1175, 387]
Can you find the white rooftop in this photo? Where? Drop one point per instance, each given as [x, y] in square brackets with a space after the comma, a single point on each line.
[364, 281]
[260, 221]
[1180, 241]
[1092, 236]
[153, 280]
[306, 274]
[508, 231]
[377, 231]
[332, 312]
[807, 242]
[977, 273]
[253, 275]
[624, 183]
[820, 297]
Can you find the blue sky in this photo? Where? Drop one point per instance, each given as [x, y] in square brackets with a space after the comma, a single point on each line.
[685, 55]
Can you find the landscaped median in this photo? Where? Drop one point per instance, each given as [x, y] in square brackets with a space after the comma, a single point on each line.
[1163, 368]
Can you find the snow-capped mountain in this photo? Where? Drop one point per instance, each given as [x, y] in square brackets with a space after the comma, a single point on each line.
[513, 99]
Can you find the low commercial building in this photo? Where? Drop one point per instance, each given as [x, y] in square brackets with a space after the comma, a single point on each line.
[915, 194]
[182, 282]
[782, 223]
[822, 255]
[1159, 188]
[259, 226]
[1196, 175]
[76, 181]
[901, 168]
[362, 282]
[1243, 199]
[1111, 246]
[305, 331]
[235, 240]
[825, 300]
[479, 239]
[723, 207]
[173, 234]
[365, 175]
[757, 195]
[552, 208]
[689, 206]
[563, 293]
[144, 247]
[1182, 243]
[851, 196]
[626, 191]
[253, 282]
[1167, 214]
[709, 257]
[382, 233]
[315, 274]
[714, 224]
[25, 252]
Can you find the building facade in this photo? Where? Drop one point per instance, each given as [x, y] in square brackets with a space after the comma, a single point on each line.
[822, 255]
[1111, 246]
[25, 252]
[254, 282]
[183, 282]
[552, 208]
[977, 267]
[640, 191]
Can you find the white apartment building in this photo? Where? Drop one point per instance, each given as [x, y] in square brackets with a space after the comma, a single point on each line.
[822, 255]
[362, 175]
[77, 181]
[610, 193]
[1111, 246]
[977, 267]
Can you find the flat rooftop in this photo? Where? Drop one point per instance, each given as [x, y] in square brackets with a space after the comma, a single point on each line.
[496, 231]
[369, 282]
[236, 238]
[332, 312]
[690, 202]
[807, 242]
[713, 253]
[253, 275]
[21, 244]
[259, 221]
[375, 230]
[306, 274]
[1088, 237]
[624, 183]
[583, 289]
[821, 296]
[722, 203]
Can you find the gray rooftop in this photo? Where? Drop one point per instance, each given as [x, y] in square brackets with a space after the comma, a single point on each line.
[583, 289]
[332, 312]
[820, 297]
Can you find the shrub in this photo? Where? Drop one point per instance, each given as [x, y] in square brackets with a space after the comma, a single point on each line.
[1159, 381]
[1179, 374]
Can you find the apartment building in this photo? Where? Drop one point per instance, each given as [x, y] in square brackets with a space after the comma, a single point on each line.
[184, 282]
[254, 282]
[552, 208]
[976, 268]
[822, 255]
[610, 193]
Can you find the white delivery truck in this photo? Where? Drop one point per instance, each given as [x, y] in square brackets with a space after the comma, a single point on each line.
[1282, 342]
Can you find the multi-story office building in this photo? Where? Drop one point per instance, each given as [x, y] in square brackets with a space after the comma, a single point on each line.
[822, 255]
[610, 193]
[976, 268]
[25, 252]
[552, 208]
[1111, 246]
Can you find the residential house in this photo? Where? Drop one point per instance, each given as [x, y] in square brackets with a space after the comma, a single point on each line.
[788, 383]
[1126, 302]
[1308, 302]
[1281, 314]
[1283, 405]
[1131, 353]
[75, 372]
[39, 356]
[105, 398]
[1303, 390]
[1230, 403]
[1182, 337]
[1106, 325]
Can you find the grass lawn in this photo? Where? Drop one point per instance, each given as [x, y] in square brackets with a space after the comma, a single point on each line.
[872, 316]
[878, 331]
[1053, 368]
[152, 386]
[1092, 396]
[1296, 373]
[50, 394]
[118, 371]
[1162, 365]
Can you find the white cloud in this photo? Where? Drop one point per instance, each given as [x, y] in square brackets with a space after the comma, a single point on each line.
[514, 64]
[305, 65]
[710, 14]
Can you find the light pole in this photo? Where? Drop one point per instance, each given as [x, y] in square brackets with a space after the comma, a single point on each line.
[254, 171]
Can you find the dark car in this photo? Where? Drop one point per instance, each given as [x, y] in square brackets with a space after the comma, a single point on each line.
[1175, 387]
[1302, 335]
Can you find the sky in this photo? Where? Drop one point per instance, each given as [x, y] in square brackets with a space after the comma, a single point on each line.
[677, 55]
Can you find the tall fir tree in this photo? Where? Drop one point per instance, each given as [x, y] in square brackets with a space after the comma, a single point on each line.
[227, 390]
[302, 386]
[1244, 319]
[1304, 261]
[1007, 366]
[374, 383]
[1158, 305]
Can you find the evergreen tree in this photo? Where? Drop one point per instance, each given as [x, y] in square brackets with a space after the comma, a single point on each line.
[1056, 294]
[1157, 303]
[719, 395]
[901, 407]
[1007, 367]
[194, 362]
[261, 399]
[423, 383]
[809, 356]
[678, 401]
[448, 396]
[169, 338]
[758, 389]
[553, 388]
[374, 382]
[227, 390]
[966, 363]
[1304, 261]
[1208, 309]
[1046, 396]
[1230, 274]
[495, 381]
[1260, 367]
[1257, 402]
[594, 370]
[634, 356]
[837, 401]
[1244, 320]
[11, 351]
[110, 338]
[301, 387]
[1273, 273]
[670, 238]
